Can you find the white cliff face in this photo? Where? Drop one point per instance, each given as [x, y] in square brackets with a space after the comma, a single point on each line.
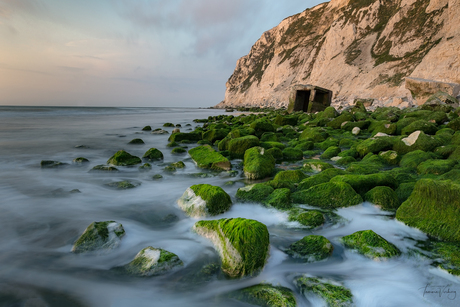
[355, 50]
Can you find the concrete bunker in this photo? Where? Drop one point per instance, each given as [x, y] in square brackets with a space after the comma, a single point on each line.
[309, 98]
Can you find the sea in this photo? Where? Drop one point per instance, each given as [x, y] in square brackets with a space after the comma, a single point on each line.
[42, 214]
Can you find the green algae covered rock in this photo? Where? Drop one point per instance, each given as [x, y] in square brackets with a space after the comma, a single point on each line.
[434, 208]
[374, 145]
[328, 196]
[363, 183]
[122, 185]
[147, 128]
[417, 140]
[145, 167]
[99, 236]
[422, 125]
[51, 164]
[178, 150]
[238, 146]
[136, 142]
[254, 193]
[104, 168]
[202, 200]
[333, 293]
[311, 248]
[435, 167]
[384, 197]
[80, 160]
[153, 154]
[314, 134]
[122, 158]
[310, 218]
[292, 154]
[319, 178]
[258, 164]
[206, 157]
[181, 136]
[262, 125]
[331, 152]
[404, 191]
[242, 244]
[315, 166]
[414, 158]
[371, 245]
[266, 295]
[279, 199]
[152, 261]
[447, 256]
[390, 157]
[294, 176]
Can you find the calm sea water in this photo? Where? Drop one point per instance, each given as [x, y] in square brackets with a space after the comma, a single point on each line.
[40, 220]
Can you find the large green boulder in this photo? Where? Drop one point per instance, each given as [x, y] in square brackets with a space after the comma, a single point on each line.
[153, 154]
[384, 197]
[363, 183]
[262, 125]
[435, 167]
[316, 135]
[266, 295]
[417, 140]
[322, 177]
[414, 158]
[371, 245]
[422, 125]
[258, 164]
[254, 193]
[434, 208]
[316, 166]
[242, 244]
[181, 136]
[328, 196]
[152, 261]
[337, 122]
[279, 199]
[215, 135]
[294, 176]
[292, 154]
[99, 236]
[334, 295]
[374, 145]
[238, 146]
[206, 157]
[282, 120]
[202, 200]
[311, 248]
[308, 218]
[122, 158]
[331, 152]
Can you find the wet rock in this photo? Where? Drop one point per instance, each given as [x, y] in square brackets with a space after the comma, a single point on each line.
[136, 142]
[254, 193]
[152, 261]
[99, 236]
[147, 128]
[104, 168]
[123, 158]
[145, 168]
[153, 154]
[238, 146]
[51, 164]
[123, 185]
[258, 164]
[266, 295]
[159, 131]
[204, 200]
[371, 245]
[206, 157]
[329, 195]
[309, 219]
[333, 293]
[383, 197]
[311, 248]
[242, 244]
[80, 160]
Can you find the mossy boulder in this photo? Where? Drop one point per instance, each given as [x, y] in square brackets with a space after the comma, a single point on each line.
[322, 177]
[331, 152]
[254, 193]
[258, 164]
[371, 245]
[147, 128]
[215, 134]
[178, 150]
[294, 176]
[315, 166]
[242, 244]
[337, 122]
[51, 164]
[374, 145]
[328, 196]
[315, 135]
[435, 167]
[384, 197]
[153, 154]
[414, 158]
[309, 219]
[279, 199]
[454, 124]
[269, 137]
[122, 158]
[80, 160]
[418, 140]
[266, 295]
[334, 294]
[194, 136]
[202, 200]
[420, 125]
[363, 183]
[99, 236]
[145, 167]
[238, 146]
[122, 185]
[311, 248]
[206, 157]
[434, 208]
[292, 154]
[275, 153]
[152, 261]
[104, 168]
[136, 142]
[390, 157]
[168, 125]
[305, 145]
[262, 125]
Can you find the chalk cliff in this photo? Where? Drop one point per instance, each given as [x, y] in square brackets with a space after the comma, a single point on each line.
[356, 48]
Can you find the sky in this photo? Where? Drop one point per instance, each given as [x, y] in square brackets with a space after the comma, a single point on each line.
[133, 53]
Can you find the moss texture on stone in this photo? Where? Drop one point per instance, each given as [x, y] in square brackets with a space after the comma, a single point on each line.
[266, 295]
[242, 244]
[254, 193]
[136, 142]
[309, 219]
[363, 183]
[334, 294]
[152, 261]
[99, 236]
[153, 154]
[202, 200]
[258, 164]
[384, 197]
[123, 158]
[279, 199]
[328, 195]
[311, 248]
[315, 166]
[238, 146]
[80, 160]
[434, 208]
[371, 245]
[104, 168]
[206, 157]
[123, 185]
